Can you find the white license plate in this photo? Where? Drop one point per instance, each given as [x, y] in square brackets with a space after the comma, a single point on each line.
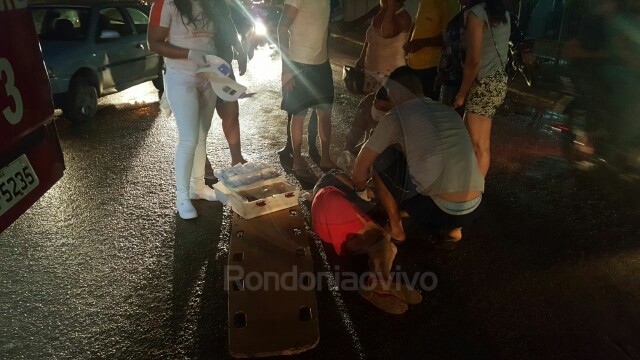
[16, 181]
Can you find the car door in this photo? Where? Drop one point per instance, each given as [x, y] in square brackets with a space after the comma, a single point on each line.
[148, 61]
[116, 43]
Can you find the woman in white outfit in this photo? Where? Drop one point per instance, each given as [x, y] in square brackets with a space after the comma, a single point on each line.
[182, 32]
[383, 49]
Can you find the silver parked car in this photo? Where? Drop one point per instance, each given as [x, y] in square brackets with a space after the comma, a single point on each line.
[92, 49]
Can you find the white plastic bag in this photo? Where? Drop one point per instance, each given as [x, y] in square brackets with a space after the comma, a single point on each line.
[164, 105]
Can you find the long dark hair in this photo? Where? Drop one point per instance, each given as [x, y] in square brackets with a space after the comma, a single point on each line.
[496, 11]
[185, 8]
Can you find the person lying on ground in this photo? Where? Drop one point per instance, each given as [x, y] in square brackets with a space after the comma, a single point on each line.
[369, 112]
[422, 155]
[339, 217]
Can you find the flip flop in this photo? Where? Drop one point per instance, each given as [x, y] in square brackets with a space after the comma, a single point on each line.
[305, 175]
[403, 292]
[387, 303]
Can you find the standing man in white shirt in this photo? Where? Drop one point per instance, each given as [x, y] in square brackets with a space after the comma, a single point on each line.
[307, 81]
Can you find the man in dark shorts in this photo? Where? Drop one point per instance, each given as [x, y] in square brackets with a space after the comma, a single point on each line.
[307, 81]
[423, 158]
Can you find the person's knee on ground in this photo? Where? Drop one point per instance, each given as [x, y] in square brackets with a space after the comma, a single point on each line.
[449, 234]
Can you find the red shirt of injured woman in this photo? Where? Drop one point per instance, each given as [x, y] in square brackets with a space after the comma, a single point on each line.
[339, 217]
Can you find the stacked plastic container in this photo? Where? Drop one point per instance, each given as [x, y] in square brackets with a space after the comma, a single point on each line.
[255, 189]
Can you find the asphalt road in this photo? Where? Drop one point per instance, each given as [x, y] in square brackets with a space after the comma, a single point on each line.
[102, 267]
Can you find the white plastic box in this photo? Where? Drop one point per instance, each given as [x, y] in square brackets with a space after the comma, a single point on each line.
[260, 199]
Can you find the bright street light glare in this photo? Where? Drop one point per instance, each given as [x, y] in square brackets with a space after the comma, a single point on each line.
[260, 29]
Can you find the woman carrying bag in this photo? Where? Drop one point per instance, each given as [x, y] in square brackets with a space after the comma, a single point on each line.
[484, 83]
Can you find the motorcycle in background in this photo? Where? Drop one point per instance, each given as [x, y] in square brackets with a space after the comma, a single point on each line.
[520, 58]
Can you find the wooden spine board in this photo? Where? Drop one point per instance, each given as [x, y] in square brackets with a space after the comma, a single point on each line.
[272, 238]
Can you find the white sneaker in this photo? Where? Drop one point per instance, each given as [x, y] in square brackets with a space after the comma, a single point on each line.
[204, 193]
[186, 209]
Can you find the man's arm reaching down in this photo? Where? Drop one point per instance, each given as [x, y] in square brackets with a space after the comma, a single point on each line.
[362, 167]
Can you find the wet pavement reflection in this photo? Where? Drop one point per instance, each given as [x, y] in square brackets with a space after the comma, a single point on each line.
[101, 266]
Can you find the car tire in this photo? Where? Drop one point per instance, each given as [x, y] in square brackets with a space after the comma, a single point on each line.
[82, 102]
[159, 81]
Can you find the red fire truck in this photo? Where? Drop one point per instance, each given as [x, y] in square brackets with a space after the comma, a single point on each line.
[31, 159]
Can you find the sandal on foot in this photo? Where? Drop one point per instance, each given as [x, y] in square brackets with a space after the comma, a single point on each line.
[387, 303]
[305, 175]
[403, 292]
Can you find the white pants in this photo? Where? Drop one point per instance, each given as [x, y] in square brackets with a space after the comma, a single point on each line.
[193, 103]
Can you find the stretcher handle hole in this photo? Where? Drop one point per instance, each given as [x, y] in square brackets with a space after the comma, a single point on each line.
[238, 256]
[301, 252]
[306, 280]
[237, 285]
[305, 313]
[239, 320]
[289, 195]
[239, 234]
[261, 203]
[297, 231]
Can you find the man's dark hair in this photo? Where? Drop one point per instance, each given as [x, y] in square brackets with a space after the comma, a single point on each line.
[407, 78]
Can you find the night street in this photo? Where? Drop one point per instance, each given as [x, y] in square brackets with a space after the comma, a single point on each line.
[102, 267]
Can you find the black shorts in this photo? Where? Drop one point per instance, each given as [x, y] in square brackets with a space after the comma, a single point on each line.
[313, 86]
[425, 215]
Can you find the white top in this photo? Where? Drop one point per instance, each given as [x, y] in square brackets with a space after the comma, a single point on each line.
[436, 143]
[198, 36]
[384, 54]
[309, 31]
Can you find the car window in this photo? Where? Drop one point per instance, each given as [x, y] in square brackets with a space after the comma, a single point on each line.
[60, 23]
[111, 19]
[140, 20]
